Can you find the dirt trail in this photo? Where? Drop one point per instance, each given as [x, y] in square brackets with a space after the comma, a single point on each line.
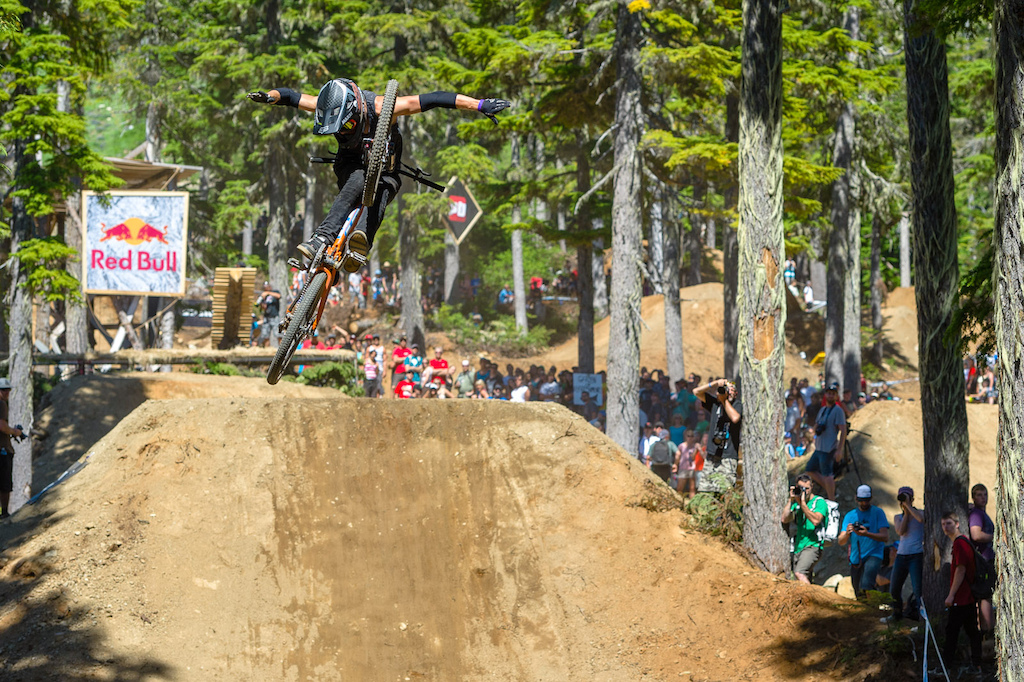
[227, 539]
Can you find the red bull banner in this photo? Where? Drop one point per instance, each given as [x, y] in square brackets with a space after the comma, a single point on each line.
[134, 243]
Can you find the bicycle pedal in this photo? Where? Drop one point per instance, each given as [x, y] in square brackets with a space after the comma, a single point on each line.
[295, 263]
[353, 261]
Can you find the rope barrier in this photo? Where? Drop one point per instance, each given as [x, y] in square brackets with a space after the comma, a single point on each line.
[928, 630]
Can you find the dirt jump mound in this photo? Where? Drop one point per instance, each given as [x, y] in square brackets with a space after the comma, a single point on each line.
[286, 539]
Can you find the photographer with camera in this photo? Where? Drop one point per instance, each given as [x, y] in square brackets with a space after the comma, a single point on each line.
[6, 449]
[909, 555]
[866, 530]
[809, 512]
[830, 437]
[722, 457]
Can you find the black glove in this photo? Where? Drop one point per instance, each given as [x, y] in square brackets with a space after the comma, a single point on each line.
[261, 97]
[489, 107]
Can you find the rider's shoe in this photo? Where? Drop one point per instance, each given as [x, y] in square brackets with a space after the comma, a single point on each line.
[309, 248]
[358, 246]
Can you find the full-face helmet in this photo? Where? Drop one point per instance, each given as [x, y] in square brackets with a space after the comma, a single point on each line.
[340, 108]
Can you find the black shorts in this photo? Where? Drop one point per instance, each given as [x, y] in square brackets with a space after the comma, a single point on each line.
[6, 472]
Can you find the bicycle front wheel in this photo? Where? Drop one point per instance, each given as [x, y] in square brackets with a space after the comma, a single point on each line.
[379, 150]
[299, 327]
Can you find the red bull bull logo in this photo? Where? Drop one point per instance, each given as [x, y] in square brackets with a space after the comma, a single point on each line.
[134, 231]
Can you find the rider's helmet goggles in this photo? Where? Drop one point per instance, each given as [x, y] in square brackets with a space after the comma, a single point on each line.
[339, 108]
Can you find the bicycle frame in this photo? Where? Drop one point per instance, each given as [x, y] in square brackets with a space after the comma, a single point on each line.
[328, 260]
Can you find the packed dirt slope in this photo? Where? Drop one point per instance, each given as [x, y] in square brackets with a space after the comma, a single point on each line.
[254, 538]
[703, 310]
[83, 409]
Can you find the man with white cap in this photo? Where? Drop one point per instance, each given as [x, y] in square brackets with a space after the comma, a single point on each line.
[6, 449]
[866, 530]
[464, 381]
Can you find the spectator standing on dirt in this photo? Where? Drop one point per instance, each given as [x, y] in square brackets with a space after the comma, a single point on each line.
[270, 303]
[960, 601]
[830, 429]
[647, 438]
[722, 457]
[687, 455]
[809, 512]
[438, 371]
[414, 361]
[866, 531]
[406, 388]
[520, 391]
[464, 381]
[982, 530]
[662, 455]
[398, 356]
[6, 448]
[909, 525]
[371, 374]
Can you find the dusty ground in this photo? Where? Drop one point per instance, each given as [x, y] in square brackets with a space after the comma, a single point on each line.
[216, 534]
[224, 539]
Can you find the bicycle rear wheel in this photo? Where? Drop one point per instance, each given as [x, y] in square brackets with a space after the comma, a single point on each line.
[298, 328]
[379, 150]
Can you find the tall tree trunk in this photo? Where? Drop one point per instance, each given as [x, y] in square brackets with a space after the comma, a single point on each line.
[247, 230]
[623, 408]
[410, 284]
[656, 246]
[877, 286]
[153, 132]
[698, 219]
[905, 279]
[762, 299]
[280, 222]
[451, 267]
[584, 269]
[76, 322]
[946, 445]
[518, 284]
[670, 286]
[1009, 277]
[851, 281]
[560, 218]
[597, 273]
[153, 125]
[20, 340]
[730, 251]
[309, 206]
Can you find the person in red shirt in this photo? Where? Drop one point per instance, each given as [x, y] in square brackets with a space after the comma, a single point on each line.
[398, 356]
[438, 369]
[963, 610]
[406, 388]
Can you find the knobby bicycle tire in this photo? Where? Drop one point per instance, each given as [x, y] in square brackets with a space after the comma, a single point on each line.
[304, 310]
[375, 166]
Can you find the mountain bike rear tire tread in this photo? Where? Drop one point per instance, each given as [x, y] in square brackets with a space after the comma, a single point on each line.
[292, 337]
[375, 165]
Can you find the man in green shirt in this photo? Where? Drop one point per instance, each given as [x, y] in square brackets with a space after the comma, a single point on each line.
[808, 512]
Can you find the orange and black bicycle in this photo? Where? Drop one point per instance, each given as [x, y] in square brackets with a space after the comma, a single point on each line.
[322, 272]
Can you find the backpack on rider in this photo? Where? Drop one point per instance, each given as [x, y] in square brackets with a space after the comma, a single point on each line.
[660, 453]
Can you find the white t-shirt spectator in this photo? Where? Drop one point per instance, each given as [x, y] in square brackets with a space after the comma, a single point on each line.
[808, 295]
[519, 394]
[353, 282]
[550, 390]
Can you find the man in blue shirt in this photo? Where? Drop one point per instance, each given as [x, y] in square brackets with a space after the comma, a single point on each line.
[866, 531]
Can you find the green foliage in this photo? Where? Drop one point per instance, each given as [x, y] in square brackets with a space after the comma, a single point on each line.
[41, 385]
[871, 372]
[498, 336]
[224, 369]
[717, 514]
[43, 262]
[343, 376]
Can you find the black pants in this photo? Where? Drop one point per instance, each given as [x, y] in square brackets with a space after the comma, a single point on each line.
[966, 617]
[351, 176]
[662, 471]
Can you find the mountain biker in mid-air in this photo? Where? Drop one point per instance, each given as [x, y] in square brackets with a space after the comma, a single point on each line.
[350, 114]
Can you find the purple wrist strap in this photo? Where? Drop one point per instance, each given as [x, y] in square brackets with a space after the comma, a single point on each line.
[479, 105]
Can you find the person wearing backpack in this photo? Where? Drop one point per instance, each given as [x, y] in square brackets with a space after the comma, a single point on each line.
[809, 513]
[662, 455]
[960, 602]
[909, 555]
[981, 531]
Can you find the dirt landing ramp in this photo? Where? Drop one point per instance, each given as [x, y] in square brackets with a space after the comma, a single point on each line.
[276, 539]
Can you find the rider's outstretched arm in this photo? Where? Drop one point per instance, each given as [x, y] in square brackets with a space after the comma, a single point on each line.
[287, 97]
[414, 104]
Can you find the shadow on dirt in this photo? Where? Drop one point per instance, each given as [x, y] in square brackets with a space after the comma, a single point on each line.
[43, 634]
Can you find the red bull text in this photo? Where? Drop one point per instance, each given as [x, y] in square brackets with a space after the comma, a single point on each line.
[140, 260]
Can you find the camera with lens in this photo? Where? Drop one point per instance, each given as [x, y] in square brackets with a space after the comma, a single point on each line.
[902, 497]
[720, 437]
[859, 526]
[723, 390]
[820, 429]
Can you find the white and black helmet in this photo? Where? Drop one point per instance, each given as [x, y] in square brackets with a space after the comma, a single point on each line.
[340, 108]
